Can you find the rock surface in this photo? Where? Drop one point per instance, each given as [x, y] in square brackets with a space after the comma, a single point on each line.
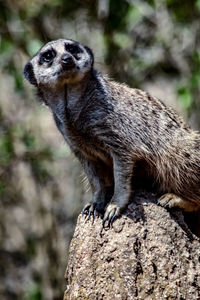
[149, 253]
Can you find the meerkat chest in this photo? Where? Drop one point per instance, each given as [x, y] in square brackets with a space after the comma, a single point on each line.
[80, 140]
[90, 147]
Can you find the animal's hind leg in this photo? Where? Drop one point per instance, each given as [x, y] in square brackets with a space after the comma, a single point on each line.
[170, 200]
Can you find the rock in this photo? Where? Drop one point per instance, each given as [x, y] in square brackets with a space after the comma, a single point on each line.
[149, 253]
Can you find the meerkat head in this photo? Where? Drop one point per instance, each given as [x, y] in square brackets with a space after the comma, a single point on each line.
[59, 62]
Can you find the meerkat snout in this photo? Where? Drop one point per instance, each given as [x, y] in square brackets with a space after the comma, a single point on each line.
[67, 61]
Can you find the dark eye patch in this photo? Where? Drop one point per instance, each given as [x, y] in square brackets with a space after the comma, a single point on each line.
[74, 49]
[47, 56]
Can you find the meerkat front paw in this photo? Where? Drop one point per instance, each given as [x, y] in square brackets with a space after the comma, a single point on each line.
[90, 209]
[170, 200]
[93, 209]
[111, 213]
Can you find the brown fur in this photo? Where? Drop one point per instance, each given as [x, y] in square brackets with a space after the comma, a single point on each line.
[111, 127]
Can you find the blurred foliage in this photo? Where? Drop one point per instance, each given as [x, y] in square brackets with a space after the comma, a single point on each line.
[151, 44]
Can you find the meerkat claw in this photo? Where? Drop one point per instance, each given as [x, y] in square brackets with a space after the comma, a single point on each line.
[95, 214]
[166, 200]
[112, 212]
[111, 220]
[90, 210]
[85, 209]
[90, 213]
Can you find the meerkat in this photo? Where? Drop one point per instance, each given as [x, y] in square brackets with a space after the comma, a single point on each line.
[111, 127]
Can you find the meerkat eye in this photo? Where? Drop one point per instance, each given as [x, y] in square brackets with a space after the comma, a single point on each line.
[74, 50]
[48, 56]
[71, 48]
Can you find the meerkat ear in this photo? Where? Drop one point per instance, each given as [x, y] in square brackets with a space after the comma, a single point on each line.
[29, 73]
[89, 51]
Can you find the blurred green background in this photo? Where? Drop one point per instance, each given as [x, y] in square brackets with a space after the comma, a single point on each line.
[152, 44]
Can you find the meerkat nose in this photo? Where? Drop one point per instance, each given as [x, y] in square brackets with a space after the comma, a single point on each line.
[67, 61]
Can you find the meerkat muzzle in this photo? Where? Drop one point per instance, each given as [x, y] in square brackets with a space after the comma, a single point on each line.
[67, 62]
